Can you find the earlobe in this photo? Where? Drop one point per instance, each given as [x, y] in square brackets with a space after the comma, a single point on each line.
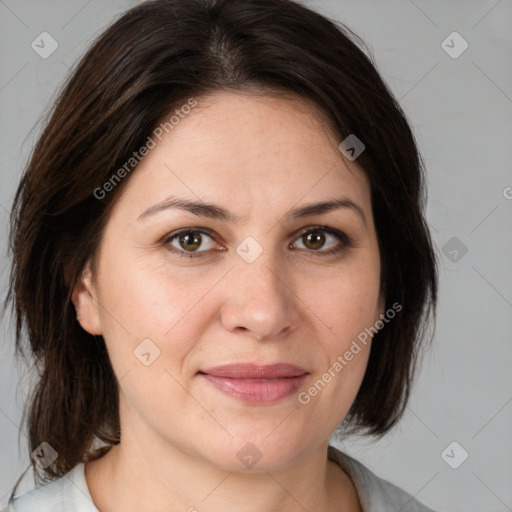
[86, 304]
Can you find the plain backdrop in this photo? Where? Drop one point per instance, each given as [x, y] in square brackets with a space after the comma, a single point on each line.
[459, 104]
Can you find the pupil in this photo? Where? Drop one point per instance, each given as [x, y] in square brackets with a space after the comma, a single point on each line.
[193, 241]
[316, 240]
[185, 239]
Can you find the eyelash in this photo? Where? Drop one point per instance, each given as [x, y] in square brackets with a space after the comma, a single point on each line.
[345, 240]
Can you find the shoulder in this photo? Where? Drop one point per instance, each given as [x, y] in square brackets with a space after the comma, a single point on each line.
[375, 493]
[67, 493]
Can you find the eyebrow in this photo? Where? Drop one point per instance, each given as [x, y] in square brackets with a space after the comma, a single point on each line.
[212, 211]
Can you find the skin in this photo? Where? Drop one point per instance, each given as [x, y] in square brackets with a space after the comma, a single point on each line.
[257, 157]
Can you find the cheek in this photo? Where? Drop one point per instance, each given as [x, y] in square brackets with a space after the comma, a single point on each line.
[167, 306]
[346, 303]
[173, 305]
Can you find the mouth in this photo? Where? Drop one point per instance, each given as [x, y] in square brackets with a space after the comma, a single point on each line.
[254, 384]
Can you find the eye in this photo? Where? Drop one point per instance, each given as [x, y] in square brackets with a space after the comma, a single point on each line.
[314, 238]
[189, 240]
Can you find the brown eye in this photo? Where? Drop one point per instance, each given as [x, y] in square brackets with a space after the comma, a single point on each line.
[315, 239]
[188, 242]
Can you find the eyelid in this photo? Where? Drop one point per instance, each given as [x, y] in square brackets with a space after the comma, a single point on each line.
[332, 231]
[345, 240]
[203, 231]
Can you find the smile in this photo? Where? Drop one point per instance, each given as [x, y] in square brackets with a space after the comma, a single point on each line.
[256, 385]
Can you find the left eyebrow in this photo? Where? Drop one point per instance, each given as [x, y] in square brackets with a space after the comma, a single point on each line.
[327, 206]
[212, 211]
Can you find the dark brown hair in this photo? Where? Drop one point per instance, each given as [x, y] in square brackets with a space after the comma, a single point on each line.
[150, 61]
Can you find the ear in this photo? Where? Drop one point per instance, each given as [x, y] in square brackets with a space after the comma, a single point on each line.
[84, 299]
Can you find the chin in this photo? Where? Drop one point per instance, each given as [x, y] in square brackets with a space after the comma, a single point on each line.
[255, 453]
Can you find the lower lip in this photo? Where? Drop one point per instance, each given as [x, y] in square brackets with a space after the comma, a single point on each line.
[257, 391]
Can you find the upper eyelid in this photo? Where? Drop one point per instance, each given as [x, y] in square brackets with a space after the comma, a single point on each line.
[329, 230]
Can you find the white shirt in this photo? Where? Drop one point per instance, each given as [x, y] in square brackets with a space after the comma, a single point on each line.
[71, 494]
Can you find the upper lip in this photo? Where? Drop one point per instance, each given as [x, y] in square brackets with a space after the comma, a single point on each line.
[254, 371]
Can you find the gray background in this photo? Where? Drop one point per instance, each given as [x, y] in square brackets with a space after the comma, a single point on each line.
[461, 112]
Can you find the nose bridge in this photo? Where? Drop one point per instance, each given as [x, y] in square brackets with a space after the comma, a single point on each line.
[263, 277]
[257, 258]
[259, 299]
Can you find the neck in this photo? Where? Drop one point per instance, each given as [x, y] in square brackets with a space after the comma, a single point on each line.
[145, 468]
[134, 474]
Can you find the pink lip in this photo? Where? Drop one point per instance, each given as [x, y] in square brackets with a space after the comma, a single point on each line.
[256, 384]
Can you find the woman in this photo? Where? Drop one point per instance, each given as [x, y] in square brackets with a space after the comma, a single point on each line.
[202, 326]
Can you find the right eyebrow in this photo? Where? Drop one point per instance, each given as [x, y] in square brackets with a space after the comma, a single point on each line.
[213, 211]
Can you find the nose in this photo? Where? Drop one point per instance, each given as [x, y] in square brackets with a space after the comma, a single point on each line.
[259, 300]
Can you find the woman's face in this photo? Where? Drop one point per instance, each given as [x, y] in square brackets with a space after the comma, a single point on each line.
[253, 287]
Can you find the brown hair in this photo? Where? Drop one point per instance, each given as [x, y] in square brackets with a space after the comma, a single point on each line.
[150, 61]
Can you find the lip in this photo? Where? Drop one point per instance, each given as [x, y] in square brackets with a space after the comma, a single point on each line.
[256, 384]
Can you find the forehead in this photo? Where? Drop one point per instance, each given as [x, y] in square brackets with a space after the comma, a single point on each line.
[241, 150]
